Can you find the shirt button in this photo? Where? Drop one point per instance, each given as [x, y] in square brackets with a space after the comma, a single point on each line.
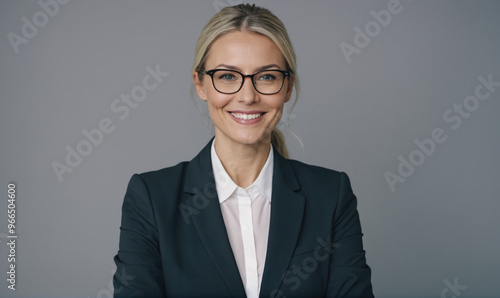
[245, 227]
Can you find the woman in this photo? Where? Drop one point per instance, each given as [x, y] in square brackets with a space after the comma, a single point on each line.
[241, 219]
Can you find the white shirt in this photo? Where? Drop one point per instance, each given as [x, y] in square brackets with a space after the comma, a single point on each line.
[246, 214]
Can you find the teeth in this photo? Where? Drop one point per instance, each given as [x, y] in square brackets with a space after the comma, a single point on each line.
[246, 116]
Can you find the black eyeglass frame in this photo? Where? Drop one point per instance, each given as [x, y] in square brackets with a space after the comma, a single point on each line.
[212, 71]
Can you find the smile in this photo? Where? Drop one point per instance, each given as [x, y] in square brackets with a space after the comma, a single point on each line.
[247, 116]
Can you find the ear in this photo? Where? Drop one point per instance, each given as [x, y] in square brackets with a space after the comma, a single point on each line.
[198, 83]
[289, 87]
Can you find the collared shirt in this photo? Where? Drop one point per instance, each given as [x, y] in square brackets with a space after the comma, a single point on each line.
[246, 213]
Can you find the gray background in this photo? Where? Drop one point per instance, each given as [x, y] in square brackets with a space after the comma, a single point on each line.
[439, 225]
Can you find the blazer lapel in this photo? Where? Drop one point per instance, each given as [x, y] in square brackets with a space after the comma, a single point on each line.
[287, 208]
[208, 221]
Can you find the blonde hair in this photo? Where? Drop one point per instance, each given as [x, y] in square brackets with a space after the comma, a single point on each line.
[250, 18]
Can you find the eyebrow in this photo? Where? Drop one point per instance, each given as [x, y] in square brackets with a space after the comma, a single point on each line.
[232, 67]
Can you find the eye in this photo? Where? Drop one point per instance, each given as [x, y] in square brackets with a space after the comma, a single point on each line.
[266, 77]
[226, 76]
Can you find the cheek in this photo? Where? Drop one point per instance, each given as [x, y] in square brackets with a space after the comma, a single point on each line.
[277, 103]
[216, 101]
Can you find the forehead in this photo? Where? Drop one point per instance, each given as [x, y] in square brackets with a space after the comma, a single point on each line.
[244, 50]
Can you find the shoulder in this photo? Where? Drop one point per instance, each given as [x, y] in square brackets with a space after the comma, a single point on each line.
[320, 183]
[319, 174]
[174, 179]
[160, 180]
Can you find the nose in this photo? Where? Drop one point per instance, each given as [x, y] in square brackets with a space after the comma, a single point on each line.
[247, 93]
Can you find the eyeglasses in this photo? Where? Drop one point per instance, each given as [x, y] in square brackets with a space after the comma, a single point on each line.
[266, 82]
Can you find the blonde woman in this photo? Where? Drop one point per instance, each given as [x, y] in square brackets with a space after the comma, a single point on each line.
[241, 219]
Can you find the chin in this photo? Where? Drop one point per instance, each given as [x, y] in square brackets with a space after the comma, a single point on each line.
[251, 139]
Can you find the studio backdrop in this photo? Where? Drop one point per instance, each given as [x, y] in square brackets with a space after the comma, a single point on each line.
[404, 96]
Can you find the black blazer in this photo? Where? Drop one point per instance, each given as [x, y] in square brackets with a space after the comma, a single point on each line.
[173, 241]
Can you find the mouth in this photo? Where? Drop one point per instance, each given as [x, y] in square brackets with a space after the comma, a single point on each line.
[247, 116]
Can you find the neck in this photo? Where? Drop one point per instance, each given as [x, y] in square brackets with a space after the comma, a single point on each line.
[242, 162]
